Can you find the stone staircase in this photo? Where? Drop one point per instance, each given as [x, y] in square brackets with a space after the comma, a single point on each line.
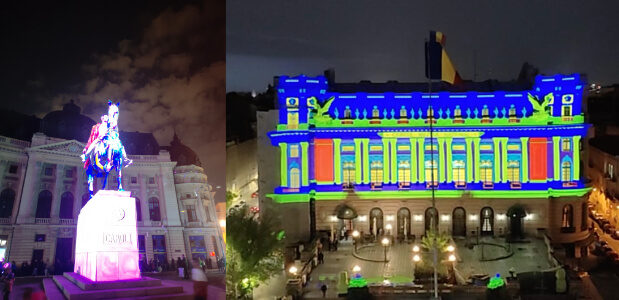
[72, 286]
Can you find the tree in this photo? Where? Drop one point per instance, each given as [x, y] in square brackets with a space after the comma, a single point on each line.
[254, 254]
[230, 196]
[426, 267]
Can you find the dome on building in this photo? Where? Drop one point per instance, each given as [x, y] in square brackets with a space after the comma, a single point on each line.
[181, 153]
[67, 123]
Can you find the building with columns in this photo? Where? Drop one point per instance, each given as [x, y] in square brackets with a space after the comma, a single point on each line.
[44, 186]
[500, 160]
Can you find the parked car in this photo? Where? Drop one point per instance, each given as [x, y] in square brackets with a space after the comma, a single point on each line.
[609, 229]
[612, 254]
[607, 248]
[603, 243]
[615, 235]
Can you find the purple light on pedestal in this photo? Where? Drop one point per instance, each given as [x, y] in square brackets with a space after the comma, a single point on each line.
[107, 241]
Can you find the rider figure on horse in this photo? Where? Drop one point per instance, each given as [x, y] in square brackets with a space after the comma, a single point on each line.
[100, 136]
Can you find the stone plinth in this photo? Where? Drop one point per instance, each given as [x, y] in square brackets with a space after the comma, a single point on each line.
[107, 240]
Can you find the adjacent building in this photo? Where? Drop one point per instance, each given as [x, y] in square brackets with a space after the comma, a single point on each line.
[500, 159]
[43, 187]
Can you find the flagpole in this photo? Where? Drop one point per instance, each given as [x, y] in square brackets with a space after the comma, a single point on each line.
[434, 167]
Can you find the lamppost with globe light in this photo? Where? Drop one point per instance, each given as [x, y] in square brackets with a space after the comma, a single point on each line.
[356, 270]
[385, 243]
[355, 237]
[389, 227]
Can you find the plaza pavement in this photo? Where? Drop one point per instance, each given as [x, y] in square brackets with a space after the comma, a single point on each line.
[25, 286]
[527, 257]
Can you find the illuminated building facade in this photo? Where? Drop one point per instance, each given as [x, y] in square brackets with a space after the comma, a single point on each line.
[501, 162]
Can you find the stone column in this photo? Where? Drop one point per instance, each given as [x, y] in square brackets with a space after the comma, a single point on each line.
[57, 193]
[385, 160]
[3, 165]
[414, 159]
[28, 205]
[524, 148]
[78, 191]
[143, 199]
[337, 161]
[18, 191]
[159, 180]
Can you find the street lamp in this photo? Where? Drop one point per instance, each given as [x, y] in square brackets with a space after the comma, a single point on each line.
[415, 248]
[416, 258]
[355, 237]
[452, 258]
[389, 229]
[385, 242]
[450, 248]
[293, 270]
[356, 269]
[222, 223]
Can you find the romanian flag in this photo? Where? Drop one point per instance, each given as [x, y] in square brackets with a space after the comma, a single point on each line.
[438, 64]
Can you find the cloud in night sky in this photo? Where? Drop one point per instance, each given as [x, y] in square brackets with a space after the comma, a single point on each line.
[164, 81]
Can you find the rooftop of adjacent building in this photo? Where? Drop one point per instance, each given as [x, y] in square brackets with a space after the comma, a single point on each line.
[70, 124]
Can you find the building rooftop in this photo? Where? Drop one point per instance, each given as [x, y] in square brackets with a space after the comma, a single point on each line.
[608, 144]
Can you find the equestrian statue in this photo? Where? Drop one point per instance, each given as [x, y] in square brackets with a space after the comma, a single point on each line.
[104, 152]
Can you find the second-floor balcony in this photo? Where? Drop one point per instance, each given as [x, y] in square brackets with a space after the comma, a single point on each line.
[68, 221]
[5, 220]
[42, 221]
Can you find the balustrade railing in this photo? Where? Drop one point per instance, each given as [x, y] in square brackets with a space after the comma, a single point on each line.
[5, 220]
[68, 221]
[41, 221]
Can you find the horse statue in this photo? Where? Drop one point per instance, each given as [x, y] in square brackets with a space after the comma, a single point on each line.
[104, 151]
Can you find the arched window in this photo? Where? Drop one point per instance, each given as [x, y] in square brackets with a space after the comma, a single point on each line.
[138, 209]
[487, 221]
[295, 178]
[66, 205]
[376, 220]
[153, 209]
[44, 205]
[85, 199]
[7, 198]
[566, 171]
[568, 216]
[431, 218]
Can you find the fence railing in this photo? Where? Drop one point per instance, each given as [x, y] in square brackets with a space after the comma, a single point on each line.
[41, 221]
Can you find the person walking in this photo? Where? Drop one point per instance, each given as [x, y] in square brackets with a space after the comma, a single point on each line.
[179, 265]
[187, 267]
[8, 278]
[200, 281]
[35, 270]
[323, 288]
[321, 258]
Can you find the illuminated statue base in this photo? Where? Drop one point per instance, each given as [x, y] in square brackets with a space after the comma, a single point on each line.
[107, 242]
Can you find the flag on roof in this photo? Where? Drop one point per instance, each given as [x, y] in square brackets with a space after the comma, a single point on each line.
[438, 64]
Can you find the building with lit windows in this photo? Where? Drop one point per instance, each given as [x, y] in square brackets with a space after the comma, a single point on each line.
[501, 159]
[43, 186]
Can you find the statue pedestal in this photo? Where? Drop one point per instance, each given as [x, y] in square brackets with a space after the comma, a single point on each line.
[107, 239]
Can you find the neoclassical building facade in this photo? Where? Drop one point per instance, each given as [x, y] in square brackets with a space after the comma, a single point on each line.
[371, 157]
[43, 187]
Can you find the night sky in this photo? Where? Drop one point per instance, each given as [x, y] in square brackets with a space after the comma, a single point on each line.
[164, 61]
[384, 40]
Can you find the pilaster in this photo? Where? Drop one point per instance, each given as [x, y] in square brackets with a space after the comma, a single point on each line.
[304, 164]
[422, 161]
[414, 178]
[449, 160]
[556, 143]
[385, 161]
[469, 159]
[496, 164]
[576, 155]
[394, 160]
[504, 159]
[77, 191]
[144, 199]
[358, 168]
[477, 159]
[18, 192]
[524, 143]
[27, 207]
[366, 160]
[56, 195]
[337, 161]
[283, 164]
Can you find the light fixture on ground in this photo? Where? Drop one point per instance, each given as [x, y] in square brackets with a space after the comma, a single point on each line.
[415, 248]
[222, 223]
[355, 239]
[452, 258]
[385, 243]
[416, 258]
[450, 248]
[293, 270]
